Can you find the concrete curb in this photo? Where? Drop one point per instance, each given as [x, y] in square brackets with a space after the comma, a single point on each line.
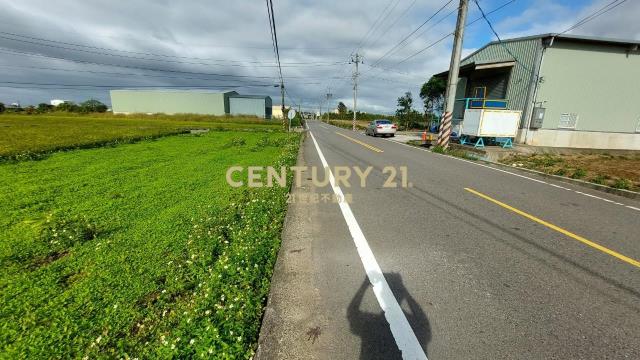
[625, 193]
[603, 188]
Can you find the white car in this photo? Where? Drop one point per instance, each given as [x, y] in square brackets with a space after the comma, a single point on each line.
[381, 127]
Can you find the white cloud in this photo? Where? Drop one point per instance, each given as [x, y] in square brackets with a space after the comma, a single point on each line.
[238, 33]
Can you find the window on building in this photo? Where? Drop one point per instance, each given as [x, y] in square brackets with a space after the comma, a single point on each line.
[568, 121]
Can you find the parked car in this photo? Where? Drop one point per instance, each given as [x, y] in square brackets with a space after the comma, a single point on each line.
[381, 127]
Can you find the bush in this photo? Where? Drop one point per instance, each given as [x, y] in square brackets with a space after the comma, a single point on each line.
[2, 107]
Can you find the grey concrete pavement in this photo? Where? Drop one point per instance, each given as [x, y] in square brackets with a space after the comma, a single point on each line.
[475, 279]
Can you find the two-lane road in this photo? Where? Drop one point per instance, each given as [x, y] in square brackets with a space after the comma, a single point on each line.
[483, 262]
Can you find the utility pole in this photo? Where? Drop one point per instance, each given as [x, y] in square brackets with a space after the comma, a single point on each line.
[329, 96]
[357, 59]
[452, 83]
[284, 116]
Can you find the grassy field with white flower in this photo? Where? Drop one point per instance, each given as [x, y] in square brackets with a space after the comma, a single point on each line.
[139, 250]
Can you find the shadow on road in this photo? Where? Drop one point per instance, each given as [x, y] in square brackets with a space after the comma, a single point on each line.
[377, 342]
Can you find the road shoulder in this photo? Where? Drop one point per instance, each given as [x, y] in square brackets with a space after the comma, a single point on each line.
[291, 331]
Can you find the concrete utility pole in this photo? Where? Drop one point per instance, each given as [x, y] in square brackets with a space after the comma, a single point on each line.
[357, 59]
[452, 82]
[284, 116]
[329, 96]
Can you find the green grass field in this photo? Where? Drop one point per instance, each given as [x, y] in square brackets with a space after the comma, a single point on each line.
[27, 136]
[139, 250]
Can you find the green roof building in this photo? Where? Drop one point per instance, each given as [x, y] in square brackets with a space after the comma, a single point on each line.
[573, 91]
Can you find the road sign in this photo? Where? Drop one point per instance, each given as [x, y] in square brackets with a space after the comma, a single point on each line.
[292, 114]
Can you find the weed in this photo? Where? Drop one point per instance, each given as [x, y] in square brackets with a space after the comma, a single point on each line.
[560, 172]
[235, 142]
[579, 174]
[622, 184]
[600, 179]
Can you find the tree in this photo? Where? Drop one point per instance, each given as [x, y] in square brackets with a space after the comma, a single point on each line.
[342, 108]
[2, 107]
[43, 108]
[404, 109]
[92, 105]
[432, 93]
[67, 106]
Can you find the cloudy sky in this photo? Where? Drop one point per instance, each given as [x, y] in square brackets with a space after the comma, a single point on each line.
[79, 49]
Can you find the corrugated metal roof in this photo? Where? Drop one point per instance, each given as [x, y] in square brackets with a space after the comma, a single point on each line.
[568, 37]
[525, 51]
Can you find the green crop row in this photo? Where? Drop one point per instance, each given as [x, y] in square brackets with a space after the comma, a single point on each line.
[27, 137]
[140, 250]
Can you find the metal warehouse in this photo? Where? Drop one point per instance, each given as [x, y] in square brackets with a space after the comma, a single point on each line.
[190, 102]
[573, 91]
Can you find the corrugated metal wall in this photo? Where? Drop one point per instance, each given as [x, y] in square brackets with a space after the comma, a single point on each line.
[168, 102]
[525, 52]
[247, 106]
[600, 88]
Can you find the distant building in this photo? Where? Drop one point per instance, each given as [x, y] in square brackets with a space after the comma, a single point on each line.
[257, 105]
[276, 111]
[189, 102]
[573, 91]
[56, 102]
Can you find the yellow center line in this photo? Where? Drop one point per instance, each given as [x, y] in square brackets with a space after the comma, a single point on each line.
[559, 229]
[372, 148]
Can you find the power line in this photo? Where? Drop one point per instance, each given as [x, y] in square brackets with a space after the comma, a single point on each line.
[135, 86]
[605, 9]
[484, 16]
[427, 29]
[237, 62]
[141, 75]
[22, 53]
[450, 34]
[412, 32]
[386, 31]
[379, 21]
[362, 41]
[234, 62]
[275, 41]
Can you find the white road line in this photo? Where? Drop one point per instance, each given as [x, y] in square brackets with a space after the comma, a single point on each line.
[400, 329]
[522, 176]
[598, 197]
[559, 187]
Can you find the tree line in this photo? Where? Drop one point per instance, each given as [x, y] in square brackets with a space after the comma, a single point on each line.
[432, 95]
[406, 115]
[89, 106]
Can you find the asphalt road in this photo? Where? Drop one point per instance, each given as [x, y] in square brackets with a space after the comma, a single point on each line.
[484, 263]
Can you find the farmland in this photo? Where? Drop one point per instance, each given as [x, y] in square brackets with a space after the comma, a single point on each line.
[27, 136]
[141, 249]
